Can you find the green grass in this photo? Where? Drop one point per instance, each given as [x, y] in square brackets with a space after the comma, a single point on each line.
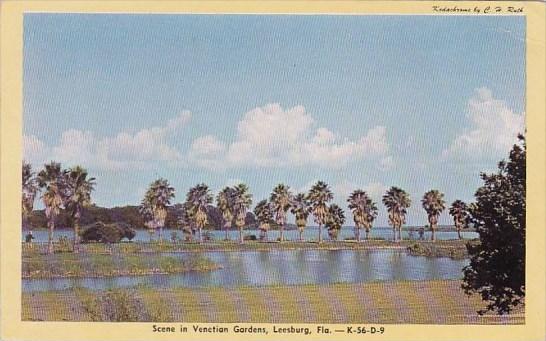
[416, 302]
[439, 249]
[446, 247]
[104, 265]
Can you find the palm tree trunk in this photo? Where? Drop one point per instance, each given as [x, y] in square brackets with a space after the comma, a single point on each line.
[200, 236]
[160, 233]
[459, 233]
[358, 234]
[241, 240]
[301, 235]
[432, 228]
[76, 235]
[367, 234]
[282, 233]
[400, 233]
[394, 232]
[227, 234]
[320, 233]
[51, 225]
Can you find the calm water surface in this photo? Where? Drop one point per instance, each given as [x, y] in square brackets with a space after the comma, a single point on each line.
[280, 267]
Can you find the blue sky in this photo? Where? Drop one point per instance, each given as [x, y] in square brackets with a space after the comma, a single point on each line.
[366, 102]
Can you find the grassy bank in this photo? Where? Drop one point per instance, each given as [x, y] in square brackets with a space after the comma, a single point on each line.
[457, 246]
[37, 265]
[415, 302]
[436, 249]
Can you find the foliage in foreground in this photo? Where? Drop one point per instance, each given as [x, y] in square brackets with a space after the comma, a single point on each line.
[497, 264]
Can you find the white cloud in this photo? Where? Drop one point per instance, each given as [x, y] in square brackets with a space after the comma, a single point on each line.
[493, 128]
[271, 136]
[343, 189]
[34, 149]
[122, 150]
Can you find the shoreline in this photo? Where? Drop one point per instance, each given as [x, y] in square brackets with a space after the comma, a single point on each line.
[436, 248]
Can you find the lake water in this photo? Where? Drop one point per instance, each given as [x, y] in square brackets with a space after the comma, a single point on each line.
[310, 233]
[280, 267]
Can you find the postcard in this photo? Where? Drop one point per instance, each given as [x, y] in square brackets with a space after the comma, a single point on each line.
[265, 170]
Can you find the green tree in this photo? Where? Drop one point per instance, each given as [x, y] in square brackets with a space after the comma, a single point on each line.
[264, 214]
[199, 198]
[154, 207]
[280, 203]
[224, 202]
[459, 212]
[301, 208]
[28, 191]
[334, 221]
[50, 181]
[77, 195]
[397, 202]
[319, 196]
[364, 211]
[242, 203]
[147, 213]
[185, 220]
[497, 264]
[434, 204]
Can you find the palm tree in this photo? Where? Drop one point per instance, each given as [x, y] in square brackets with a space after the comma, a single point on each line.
[364, 211]
[29, 189]
[146, 211]
[199, 198]
[185, 220]
[433, 202]
[280, 201]
[264, 214]
[397, 202]
[334, 221]
[459, 212]
[224, 202]
[157, 198]
[301, 208]
[77, 196]
[319, 196]
[50, 181]
[241, 203]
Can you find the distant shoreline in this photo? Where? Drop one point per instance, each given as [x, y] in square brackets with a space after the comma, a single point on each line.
[449, 228]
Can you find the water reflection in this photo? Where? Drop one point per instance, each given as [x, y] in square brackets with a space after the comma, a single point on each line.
[281, 267]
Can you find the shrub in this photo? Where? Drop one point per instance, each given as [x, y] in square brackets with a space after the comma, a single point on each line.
[250, 237]
[126, 231]
[116, 305]
[64, 245]
[107, 233]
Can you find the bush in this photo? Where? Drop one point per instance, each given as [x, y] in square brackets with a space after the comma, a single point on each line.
[115, 305]
[107, 233]
[64, 245]
[126, 231]
[250, 237]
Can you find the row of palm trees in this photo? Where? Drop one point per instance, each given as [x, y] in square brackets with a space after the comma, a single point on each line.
[235, 202]
[70, 189]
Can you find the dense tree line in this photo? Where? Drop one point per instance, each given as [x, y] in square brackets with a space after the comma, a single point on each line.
[126, 214]
[66, 195]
